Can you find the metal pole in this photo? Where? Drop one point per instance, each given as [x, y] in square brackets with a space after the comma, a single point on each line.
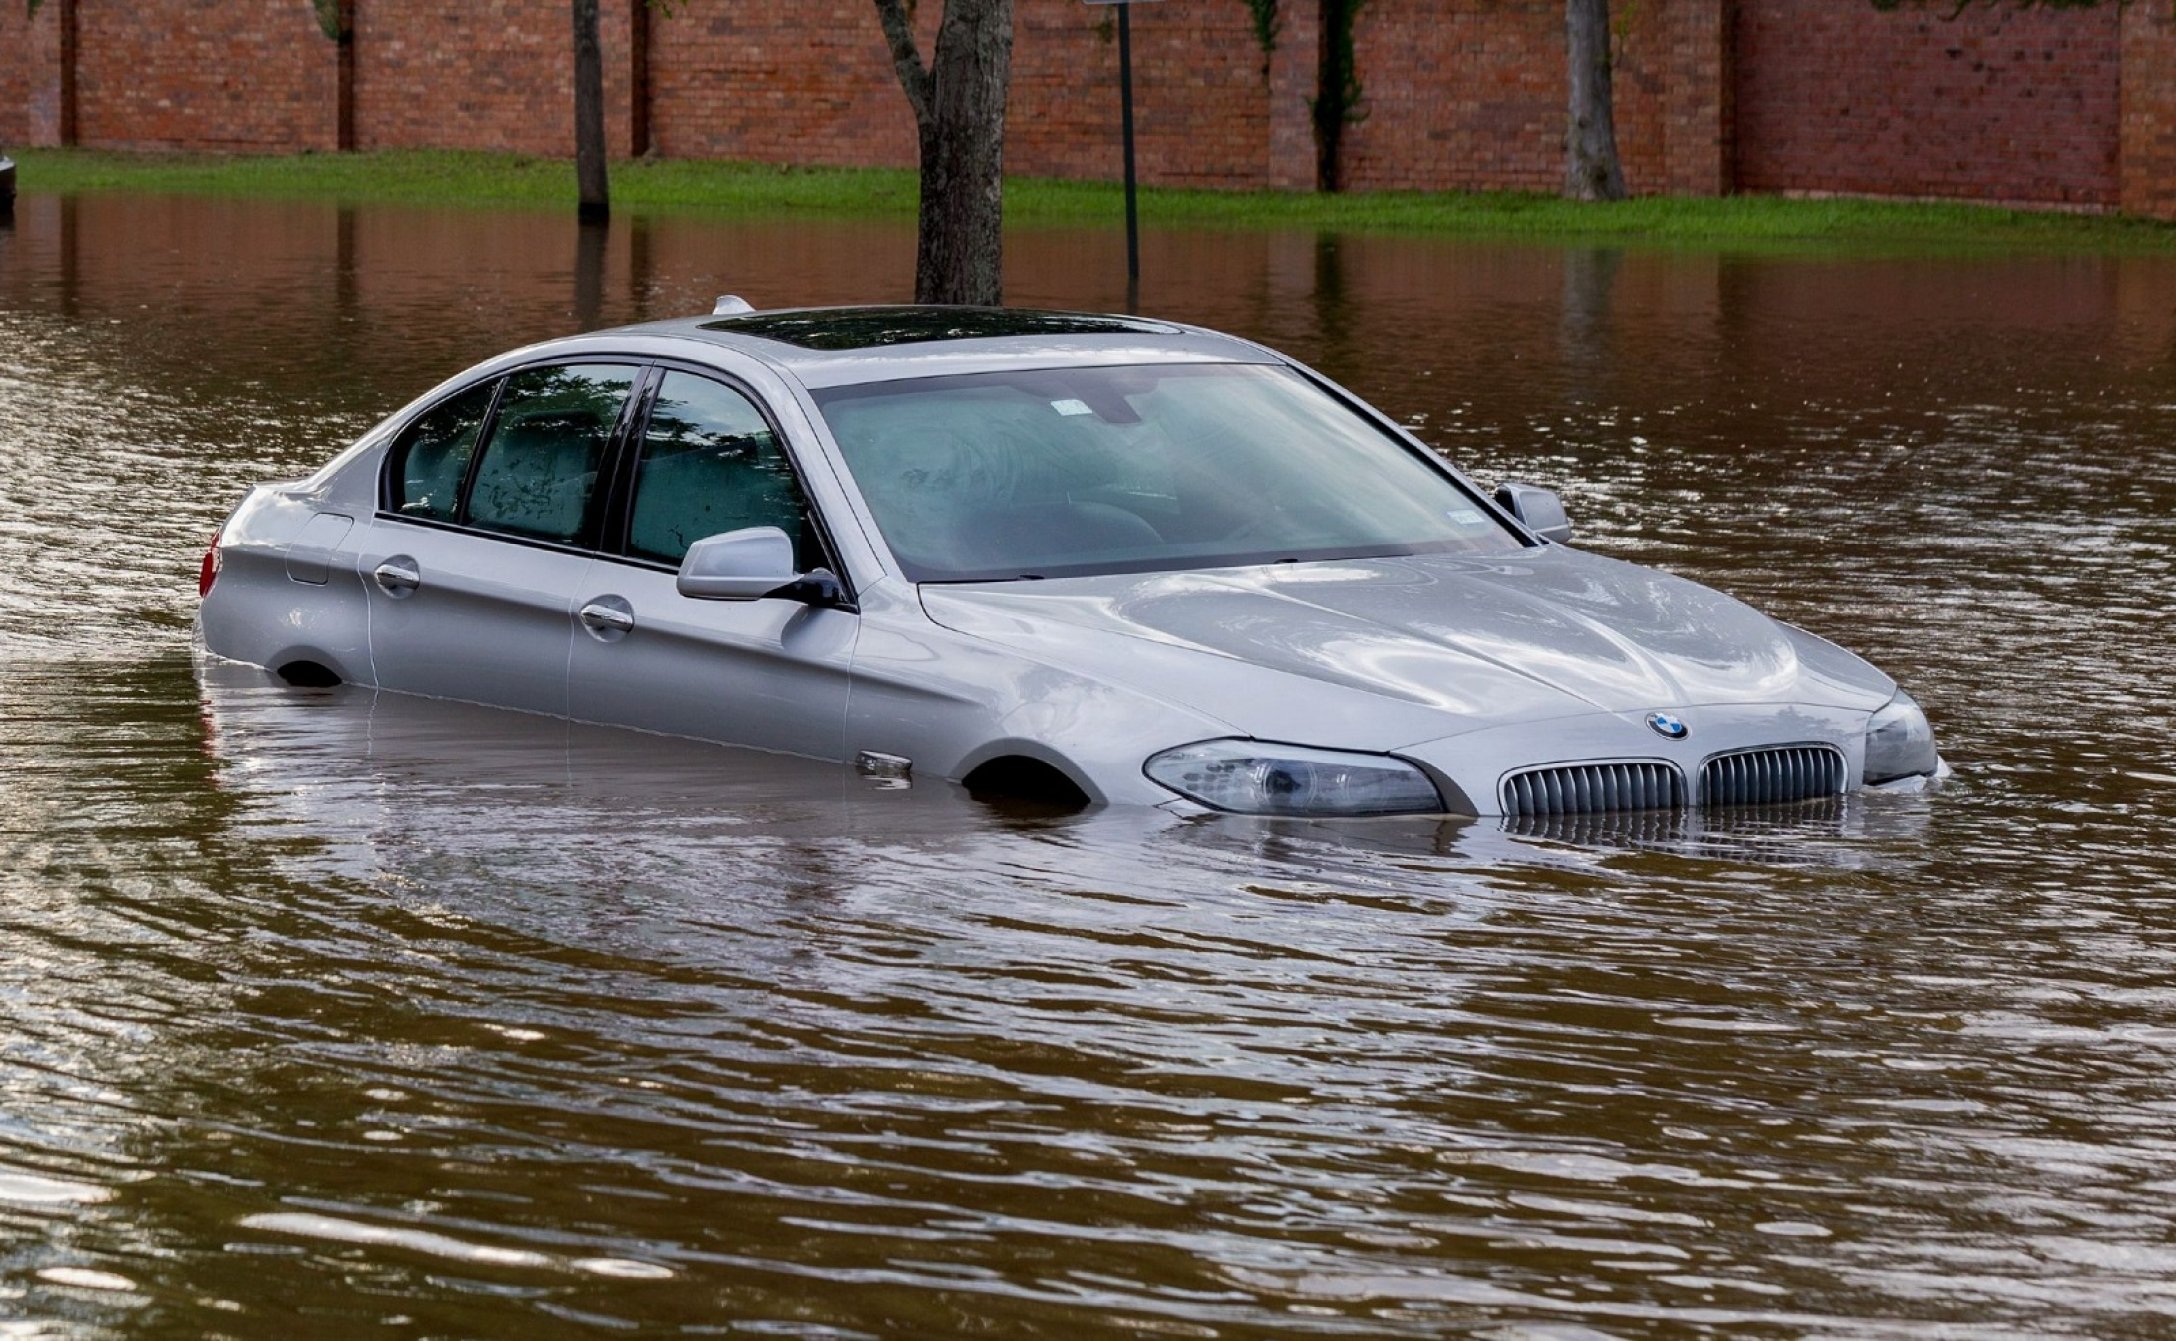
[1125, 94]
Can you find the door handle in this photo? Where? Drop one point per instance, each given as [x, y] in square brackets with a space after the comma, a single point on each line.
[398, 576]
[602, 618]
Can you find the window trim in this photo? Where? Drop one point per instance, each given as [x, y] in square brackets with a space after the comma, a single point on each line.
[503, 537]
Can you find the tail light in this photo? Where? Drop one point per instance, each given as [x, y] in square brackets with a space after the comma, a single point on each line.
[208, 573]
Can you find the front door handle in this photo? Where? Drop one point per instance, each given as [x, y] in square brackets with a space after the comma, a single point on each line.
[398, 576]
[607, 617]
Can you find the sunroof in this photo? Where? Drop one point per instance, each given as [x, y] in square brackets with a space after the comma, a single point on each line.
[876, 327]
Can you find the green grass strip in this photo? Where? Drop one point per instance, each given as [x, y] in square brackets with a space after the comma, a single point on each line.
[446, 179]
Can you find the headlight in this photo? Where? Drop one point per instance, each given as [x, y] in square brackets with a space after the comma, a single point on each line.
[1899, 742]
[1255, 777]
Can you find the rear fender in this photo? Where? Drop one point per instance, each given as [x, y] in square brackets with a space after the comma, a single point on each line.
[270, 611]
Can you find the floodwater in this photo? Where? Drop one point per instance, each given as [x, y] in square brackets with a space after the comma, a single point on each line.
[324, 1015]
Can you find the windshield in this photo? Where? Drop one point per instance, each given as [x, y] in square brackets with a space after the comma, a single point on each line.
[1069, 471]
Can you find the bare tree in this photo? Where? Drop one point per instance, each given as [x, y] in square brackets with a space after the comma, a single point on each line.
[959, 119]
[590, 176]
[1591, 167]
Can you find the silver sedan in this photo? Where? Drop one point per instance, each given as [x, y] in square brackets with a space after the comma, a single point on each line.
[1090, 559]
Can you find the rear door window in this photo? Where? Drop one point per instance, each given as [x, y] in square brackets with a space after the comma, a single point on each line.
[710, 464]
[431, 459]
[538, 475]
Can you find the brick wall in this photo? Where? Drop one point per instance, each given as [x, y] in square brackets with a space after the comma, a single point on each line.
[29, 75]
[15, 75]
[480, 74]
[1292, 76]
[1451, 94]
[2149, 111]
[808, 81]
[1201, 90]
[813, 83]
[1470, 94]
[1997, 104]
[243, 75]
[1697, 116]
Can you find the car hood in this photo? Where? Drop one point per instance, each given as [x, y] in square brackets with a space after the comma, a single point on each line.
[1378, 653]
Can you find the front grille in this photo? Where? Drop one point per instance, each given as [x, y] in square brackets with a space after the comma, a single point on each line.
[1584, 789]
[1772, 777]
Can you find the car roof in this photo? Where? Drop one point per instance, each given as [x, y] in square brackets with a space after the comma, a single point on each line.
[844, 346]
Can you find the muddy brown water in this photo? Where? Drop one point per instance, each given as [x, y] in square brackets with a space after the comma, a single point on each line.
[331, 1016]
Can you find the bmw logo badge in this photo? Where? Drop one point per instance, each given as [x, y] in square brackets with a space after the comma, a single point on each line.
[1665, 725]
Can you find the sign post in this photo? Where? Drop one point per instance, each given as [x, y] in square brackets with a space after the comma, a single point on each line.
[1125, 122]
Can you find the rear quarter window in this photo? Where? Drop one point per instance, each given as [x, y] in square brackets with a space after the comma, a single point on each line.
[430, 458]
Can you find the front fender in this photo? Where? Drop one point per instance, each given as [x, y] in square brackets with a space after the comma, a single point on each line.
[950, 702]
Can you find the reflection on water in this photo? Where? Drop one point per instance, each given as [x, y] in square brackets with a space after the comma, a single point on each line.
[332, 1013]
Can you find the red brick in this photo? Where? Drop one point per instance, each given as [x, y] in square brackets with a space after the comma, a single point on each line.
[242, 75]
[29, 75]
[2148, 113]
[480, 74]
[1999, 103]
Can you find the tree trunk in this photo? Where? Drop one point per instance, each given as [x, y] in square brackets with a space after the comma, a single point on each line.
[589, 163]
[589, 263]
[1591, 168]
[959, 115]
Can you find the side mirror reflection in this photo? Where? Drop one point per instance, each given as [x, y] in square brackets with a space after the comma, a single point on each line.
[1541, 510]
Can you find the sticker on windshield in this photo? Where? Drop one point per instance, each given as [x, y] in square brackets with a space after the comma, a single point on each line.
[1465, 516]
[1071, 407]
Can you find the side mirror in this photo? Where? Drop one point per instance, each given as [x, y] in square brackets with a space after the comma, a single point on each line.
[750, 565]
[1540, 509]
[744, 565]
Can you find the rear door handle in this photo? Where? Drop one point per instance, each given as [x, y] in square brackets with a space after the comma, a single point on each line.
[398, 576]
[600, 617]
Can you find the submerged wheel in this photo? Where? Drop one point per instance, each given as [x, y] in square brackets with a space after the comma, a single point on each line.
[308, 675]
[1020, 779]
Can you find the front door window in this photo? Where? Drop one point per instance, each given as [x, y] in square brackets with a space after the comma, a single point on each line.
[711, 464]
